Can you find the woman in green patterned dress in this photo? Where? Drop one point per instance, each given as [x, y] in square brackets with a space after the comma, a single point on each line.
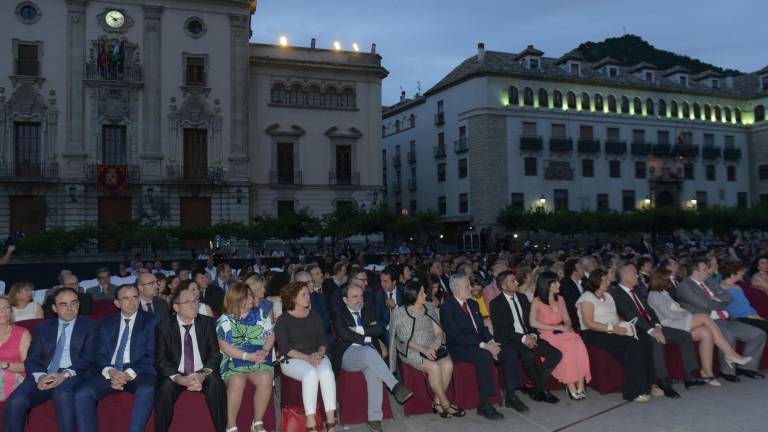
[245, 337]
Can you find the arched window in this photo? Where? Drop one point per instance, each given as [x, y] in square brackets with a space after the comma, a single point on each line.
[611, 103]
[528, 96]
[296, 95]
[718, 113]
[662, 108]
[728, 114]
[279, 95]
[707, 112]
[599, 103]
[696, 111]
[649, 107]
[348, 98]
[571, 98]
[585, 105]
[737, 115]
[557, 99]
[673, 109]
[514, 97]
[314, 96]
[543, 98]
[638, 106]
[624, 105]
[686, 111]
[759, 113]
[331, 97]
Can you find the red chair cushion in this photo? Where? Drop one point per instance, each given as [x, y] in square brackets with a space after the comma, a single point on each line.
[464, 382]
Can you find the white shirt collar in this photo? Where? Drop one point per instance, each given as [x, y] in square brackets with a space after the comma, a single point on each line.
[130, 318]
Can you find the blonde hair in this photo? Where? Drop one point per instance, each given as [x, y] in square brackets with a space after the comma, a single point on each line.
[9, 305]
[14, 291]
[255, 282]
[236, 293]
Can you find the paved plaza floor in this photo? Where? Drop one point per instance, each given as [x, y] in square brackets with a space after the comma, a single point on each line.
[739, 407]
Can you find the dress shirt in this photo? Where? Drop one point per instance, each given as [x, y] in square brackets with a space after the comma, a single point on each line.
[66, 359]
[145, 306]
[578, 285]
[631, 296]
[515, 305]
[391, 295]
[127, 353]
[717, 313]
[222, 284]
[472, 319]
[358, 328]
[195, 350]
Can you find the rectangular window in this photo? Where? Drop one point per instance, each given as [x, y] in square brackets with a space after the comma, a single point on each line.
[575, 68]
[561, 199]
[731, 173]
[587, 168]
[441, 206]
[463, 203]
[440, 106]
[343, 164]
[763, 199]
[638, 135]
[649, 76]
[440, 172]
[558, 130]
[715, 84]
[762, 172]
[710, 172]
[285, 163]
[27, 63]
[613, 134]
[586, 132]
[764, 81]
[27, 142]
[517, 201]
[688, 170]
[628, 200]
[195, 73]
[462, 168]
[741, 200]
[412, 207]
[284, 208]
[709, 140]
[614, 169]
[662, 137]
[533, 63]
[195, 153]
[613, 72]
[531, 166]
[640, 170]
[529, 129]
[729, 142]
[462, 133]
[683, 80]
[701, 199]
[113, 146]
[602, 202]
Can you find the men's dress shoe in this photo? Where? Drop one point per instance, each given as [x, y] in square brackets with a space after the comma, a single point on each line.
[515, 403]
[488, 411]
[749, 373]
[401, 393]
[693, 383]
[550, 398]
[731, 378]
[669, 391]
[538, 397]
[375, 426]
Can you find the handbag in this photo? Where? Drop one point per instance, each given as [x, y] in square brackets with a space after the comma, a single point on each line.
[293, 419]
[630, 328]
[440, 353]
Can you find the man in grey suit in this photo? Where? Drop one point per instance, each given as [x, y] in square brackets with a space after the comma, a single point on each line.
[149, 301]
[700, 294]
[105, 290]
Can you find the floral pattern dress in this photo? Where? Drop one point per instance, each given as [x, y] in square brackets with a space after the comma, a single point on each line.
[248, 334]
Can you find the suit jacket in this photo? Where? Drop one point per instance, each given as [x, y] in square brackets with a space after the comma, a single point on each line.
[445, 285]
[459, 331]
[627, 310]
[215, 282]
[369, 299]
[380, 299]
[82, 346]
[570, 293]
[692, 297]
[97, 294]
[214, 297]
[168, 346]
[142, 353]
[86, 304]
[160, 307]
[319, 304]
[345, 337]
[503, 319]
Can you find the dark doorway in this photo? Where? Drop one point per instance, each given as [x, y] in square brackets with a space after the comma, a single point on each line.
[664, 199]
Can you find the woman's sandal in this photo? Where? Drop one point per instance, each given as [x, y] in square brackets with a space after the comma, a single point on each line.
[443, 411]
[457, 412]
[259, 424]
[232, 429]
[330, 427]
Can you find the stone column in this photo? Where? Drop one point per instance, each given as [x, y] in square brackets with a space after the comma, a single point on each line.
[239, 64]
[488, 165]
[74, 147]
[151, 150]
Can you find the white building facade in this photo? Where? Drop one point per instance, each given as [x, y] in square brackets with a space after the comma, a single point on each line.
[531, 131]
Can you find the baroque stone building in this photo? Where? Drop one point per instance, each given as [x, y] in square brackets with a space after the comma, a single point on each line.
[532, 131]
[163, 112]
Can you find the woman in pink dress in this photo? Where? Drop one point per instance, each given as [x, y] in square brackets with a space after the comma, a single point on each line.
[550, 316]
[14, 343]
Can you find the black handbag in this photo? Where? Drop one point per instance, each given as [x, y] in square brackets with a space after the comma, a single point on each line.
[440, 353]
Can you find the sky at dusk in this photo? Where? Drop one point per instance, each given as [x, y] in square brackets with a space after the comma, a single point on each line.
[422, 40]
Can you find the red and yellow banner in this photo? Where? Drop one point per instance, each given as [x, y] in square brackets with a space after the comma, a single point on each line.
[111, 178]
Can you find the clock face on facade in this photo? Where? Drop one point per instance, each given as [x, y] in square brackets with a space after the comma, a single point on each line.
[114, 19]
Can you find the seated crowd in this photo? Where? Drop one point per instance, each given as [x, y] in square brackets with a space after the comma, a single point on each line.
[212, 329]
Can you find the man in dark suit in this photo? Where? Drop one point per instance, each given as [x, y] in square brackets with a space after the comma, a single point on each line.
[570, 286]
[468, 340]
[211, 295]
[71, 281]
[356, 350]
[646, 247]
[105, 290]
[149, 289]
[125, 360]
[388, 298]
[188, 358]
[357, 277]
[509, 316]
[223, 277]
[59, 358]
[631, 306]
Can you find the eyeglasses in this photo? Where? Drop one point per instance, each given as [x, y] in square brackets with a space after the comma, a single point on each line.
[189, 302]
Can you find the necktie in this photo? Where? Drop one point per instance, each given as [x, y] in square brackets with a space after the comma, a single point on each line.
[519, 315]
[469, 315]
[150, 308]
[121, 347]
[719, 312]
[56, 360]
[189, 356]
[640, 307]
[358, 319]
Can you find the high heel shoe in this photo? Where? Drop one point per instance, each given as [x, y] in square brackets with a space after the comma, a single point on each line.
[456, 411]
[741, 361]
[257, 426]
[711, 381]
[232, 429]
[442, 412]
[577, 396]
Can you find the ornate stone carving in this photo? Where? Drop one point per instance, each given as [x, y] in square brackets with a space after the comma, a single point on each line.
[558, 170]
[274, 130]
[27, 101]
